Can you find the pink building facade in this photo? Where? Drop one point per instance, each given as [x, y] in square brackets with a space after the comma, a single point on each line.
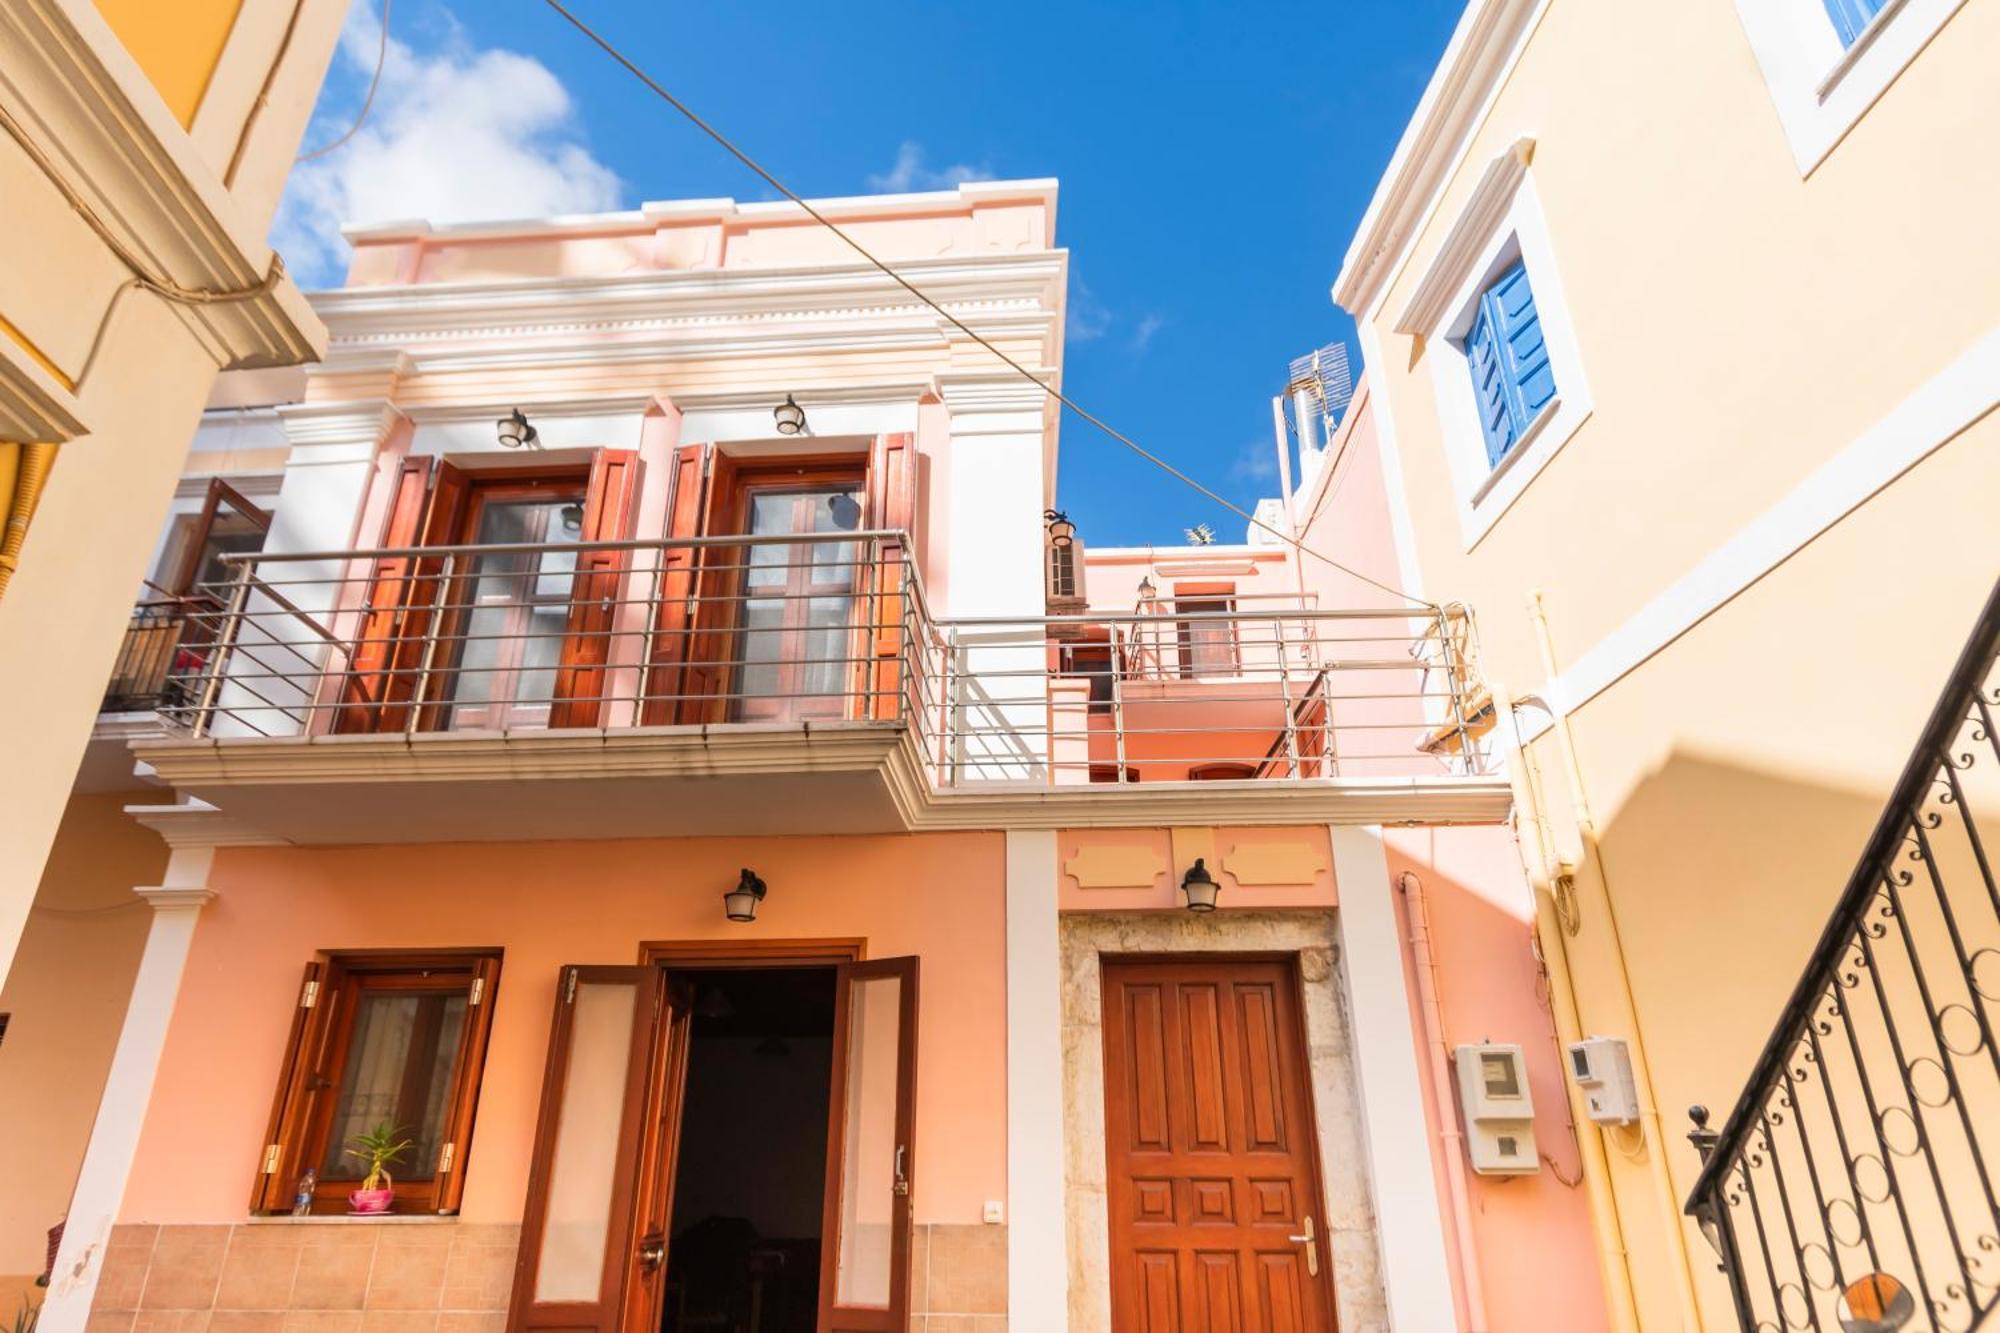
[634, 727]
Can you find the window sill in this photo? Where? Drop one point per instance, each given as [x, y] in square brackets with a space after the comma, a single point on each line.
[1521, 446]
[1853, 55]
[351, 1219]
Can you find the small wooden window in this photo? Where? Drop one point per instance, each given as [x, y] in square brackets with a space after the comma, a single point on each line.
[381, 1037]
[1207, 647]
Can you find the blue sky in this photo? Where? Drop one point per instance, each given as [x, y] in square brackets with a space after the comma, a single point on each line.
[1278, 118]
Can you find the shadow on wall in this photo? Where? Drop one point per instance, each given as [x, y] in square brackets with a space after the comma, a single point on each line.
[1722, 877]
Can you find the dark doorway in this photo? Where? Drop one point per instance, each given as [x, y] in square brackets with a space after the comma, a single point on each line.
[749, 1187]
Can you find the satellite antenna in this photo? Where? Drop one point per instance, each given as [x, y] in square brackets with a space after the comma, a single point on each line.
[1324, 375]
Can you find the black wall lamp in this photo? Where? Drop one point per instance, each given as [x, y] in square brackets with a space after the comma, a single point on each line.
[1061, 531]
[791, 418]
[740, 903]
[516, 433]
[1200, 887]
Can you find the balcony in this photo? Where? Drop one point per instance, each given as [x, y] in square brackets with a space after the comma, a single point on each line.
[780, 683]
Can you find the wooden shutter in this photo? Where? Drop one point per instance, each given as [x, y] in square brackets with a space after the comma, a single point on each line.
[609, 511]
[1529, 382]
[871, 1150]
[672, 619]
[450, 1178]
[577, 1251]
[1482, 356]
[388, 651]
[281, 1157]
[892, 504]
[659, 1157]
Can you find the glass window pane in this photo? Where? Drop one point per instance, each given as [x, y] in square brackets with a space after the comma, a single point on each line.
[762, 641]
[577, 1227]
[826, 647]
[868, 1158]
[401, 1059]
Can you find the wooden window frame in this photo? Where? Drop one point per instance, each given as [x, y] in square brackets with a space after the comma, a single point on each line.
[188, 562]
[316, 1053]
[1201, 598]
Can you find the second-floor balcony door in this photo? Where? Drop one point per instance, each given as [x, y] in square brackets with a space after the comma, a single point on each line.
[517, 606]
[797, 638]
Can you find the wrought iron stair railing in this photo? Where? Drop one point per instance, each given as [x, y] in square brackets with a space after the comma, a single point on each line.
[1855, 1186]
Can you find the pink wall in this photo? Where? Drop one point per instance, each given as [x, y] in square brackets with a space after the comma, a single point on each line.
[939, 896]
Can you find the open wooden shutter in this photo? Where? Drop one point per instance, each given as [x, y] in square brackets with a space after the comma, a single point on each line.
[577, 1250]
[609, 512]
[892, 504]
[388, 652]
[673, 619]
[659, 1156]
[450, 1180]
[871, 1150]
[300, 1092]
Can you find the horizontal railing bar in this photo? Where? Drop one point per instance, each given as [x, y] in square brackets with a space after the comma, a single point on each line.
[523, 548]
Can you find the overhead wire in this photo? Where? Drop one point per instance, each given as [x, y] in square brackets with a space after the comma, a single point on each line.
[1058, 395]
[361, 116]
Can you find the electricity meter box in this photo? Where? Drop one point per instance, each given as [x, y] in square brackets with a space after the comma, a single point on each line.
[1499, 1111]
[1602, 1067]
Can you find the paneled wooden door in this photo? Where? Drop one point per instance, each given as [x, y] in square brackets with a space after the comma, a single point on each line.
[1213, 1180]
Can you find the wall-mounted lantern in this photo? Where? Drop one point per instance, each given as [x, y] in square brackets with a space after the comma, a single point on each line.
[1147, 592]
[791, 418]
[1200, 888]
[516, 433]
[740, 903]
[1061, 531]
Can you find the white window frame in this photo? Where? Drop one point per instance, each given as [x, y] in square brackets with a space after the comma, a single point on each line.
[1820, 89]
[1502, 222]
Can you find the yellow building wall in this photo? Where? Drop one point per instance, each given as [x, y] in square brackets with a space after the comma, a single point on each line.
[1738, 325]
[67, 994]
[178, 44]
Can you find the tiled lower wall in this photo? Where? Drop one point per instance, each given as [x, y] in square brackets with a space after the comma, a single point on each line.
[442, 1276]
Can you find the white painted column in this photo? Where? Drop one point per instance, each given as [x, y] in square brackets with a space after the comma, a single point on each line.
[1037, 1257]
[1416, 1274]
[128, 1090]
[996, 493]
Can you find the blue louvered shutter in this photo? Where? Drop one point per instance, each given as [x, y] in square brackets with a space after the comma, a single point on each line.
[1489, 391]
[1851, 16]
[1524, 357]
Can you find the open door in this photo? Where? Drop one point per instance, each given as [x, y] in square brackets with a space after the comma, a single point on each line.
[578, 1237]
[871, 1150]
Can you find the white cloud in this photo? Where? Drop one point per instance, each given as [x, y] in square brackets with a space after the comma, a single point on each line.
[910, 173]
[1142, 336]
[1087, 318]
[1256, 461]
[458, 133]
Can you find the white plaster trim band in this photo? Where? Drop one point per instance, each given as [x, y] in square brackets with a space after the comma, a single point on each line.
[1416, 1274]
[1036, 1256]
[1937, 412]
[1482, 215]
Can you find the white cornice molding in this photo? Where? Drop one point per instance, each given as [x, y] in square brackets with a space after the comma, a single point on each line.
[964, 198]
[196, 824]
[1484, 48]
[488, 409]
[73, 86]
[989, 391]
[34, 406]
[165, 898]
[356, 420]
[1483, 212]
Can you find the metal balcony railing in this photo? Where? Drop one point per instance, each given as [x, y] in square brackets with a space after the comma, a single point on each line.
[1854, 1183]
[157, 645]
[813, 630]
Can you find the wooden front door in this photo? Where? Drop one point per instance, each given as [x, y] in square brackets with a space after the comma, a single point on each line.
[1211, 1163]
[798, 653]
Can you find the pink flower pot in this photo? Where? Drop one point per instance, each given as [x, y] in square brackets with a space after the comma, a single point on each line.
[370, 1201]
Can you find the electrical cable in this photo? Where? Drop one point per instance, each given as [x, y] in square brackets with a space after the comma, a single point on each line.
[1057, 394]
[361, 117]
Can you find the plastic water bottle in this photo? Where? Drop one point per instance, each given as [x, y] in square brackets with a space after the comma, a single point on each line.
[302, 1202]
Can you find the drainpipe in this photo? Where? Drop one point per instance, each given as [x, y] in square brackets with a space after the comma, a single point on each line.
[1285, 490]
[1536, 844]
[24, 470]
[1472, 1291]
[1642, 1077]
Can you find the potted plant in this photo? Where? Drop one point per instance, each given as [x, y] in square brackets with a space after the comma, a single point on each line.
[381, 1149]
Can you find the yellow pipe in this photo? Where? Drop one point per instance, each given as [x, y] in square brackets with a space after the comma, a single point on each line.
[24, 469]
[1649, 1115]
[1614, 1264]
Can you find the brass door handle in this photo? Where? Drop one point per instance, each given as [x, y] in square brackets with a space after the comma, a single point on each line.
[652, 1253]
[1312, 1247]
